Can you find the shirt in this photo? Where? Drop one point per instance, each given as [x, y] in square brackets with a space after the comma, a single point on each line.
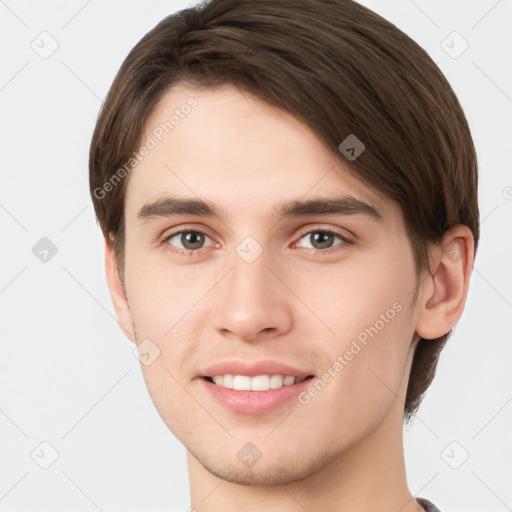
[427, 505]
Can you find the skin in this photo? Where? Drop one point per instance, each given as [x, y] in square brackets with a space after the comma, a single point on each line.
[344, 449]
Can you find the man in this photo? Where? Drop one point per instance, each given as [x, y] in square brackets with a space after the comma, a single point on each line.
[288, 194]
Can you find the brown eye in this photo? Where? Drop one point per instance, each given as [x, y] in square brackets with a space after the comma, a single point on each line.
[321, 239]
[324, 239]
[190, 240]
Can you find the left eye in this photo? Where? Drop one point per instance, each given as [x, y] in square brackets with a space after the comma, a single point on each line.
[324, 238]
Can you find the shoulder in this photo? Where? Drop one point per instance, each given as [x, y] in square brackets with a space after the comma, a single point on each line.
[427, 505]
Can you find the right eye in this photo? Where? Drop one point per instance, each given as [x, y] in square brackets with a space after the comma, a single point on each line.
[190, 240]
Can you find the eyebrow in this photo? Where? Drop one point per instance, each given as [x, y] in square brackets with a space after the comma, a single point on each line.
[172, 206]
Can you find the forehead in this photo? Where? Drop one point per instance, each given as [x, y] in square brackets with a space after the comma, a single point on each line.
[233, 149]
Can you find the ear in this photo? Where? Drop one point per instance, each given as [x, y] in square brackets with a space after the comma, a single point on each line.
[443, 293]
[117, 294]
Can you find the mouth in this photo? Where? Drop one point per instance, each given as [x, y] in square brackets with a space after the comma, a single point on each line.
[256, 383]
[256, 395]
[262, 375]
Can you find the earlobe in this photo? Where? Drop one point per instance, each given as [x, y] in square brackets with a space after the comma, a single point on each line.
[443, 294]
[117, 293]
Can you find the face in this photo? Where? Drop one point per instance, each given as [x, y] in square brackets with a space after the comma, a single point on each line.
[329, 294]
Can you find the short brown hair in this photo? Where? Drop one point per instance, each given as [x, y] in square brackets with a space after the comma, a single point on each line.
[340, 68]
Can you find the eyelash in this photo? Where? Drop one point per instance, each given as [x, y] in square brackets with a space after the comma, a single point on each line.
[324, 252]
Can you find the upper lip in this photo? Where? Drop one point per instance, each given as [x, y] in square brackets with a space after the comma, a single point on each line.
[252, 369]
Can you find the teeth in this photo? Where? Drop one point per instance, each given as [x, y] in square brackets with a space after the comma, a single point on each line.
[258, 383]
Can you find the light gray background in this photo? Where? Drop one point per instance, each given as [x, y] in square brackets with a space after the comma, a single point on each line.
[68, 376]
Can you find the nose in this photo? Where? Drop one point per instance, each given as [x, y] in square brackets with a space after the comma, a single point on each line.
[253, 301]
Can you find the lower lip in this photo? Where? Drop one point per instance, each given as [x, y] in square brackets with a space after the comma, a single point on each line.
[254, 402]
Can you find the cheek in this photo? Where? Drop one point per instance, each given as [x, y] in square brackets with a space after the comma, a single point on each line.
[161, 294]
[367, 312]
[352, 295]
[166, 321]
